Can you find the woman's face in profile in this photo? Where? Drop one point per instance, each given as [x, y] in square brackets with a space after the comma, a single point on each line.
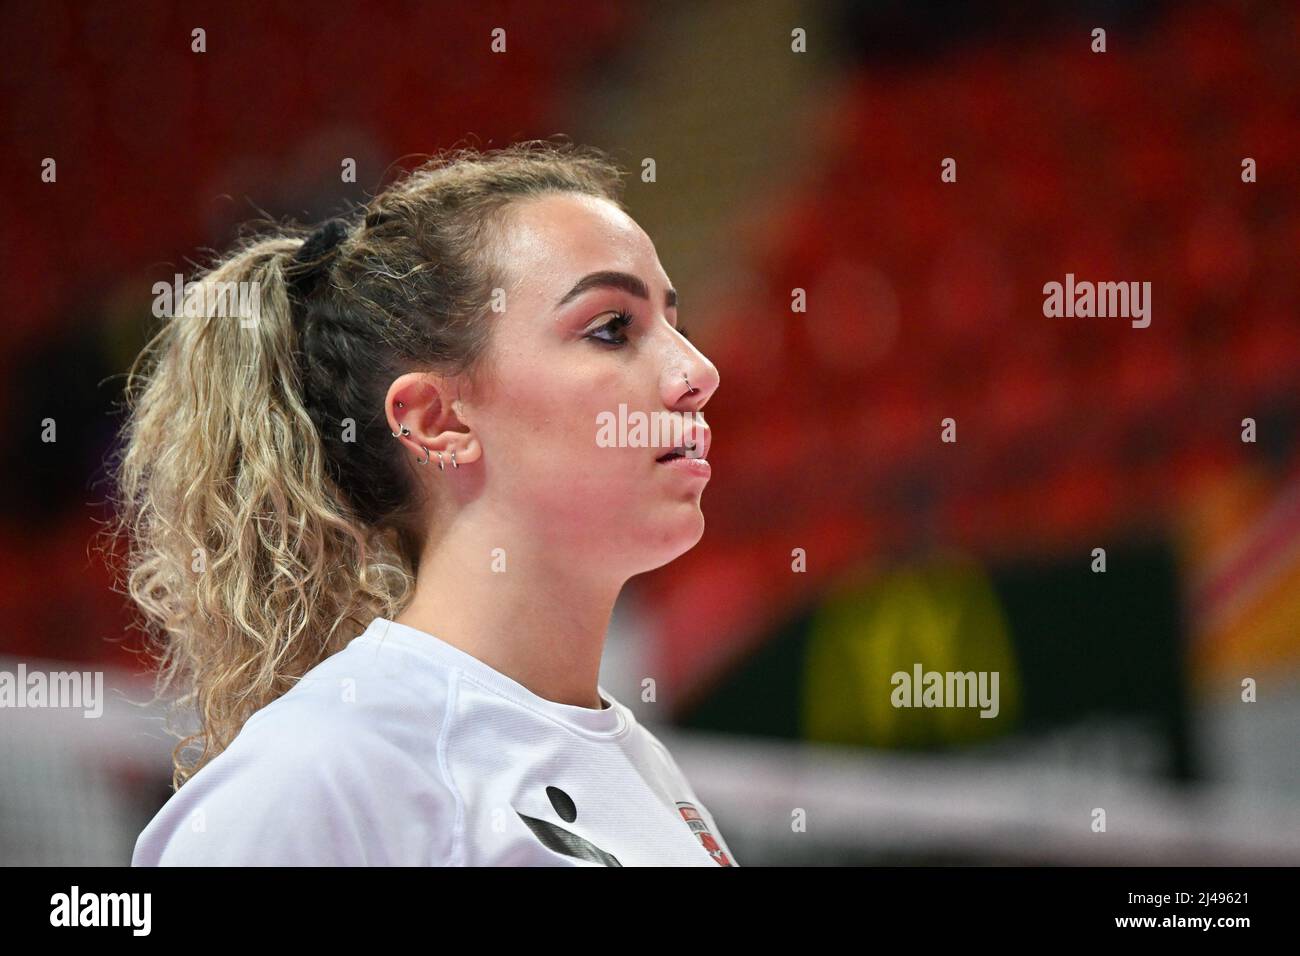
[559, 364]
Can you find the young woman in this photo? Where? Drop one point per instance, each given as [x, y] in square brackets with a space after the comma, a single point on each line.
[378, 542]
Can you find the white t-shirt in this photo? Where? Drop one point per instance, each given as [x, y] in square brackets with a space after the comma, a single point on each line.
[403, 750]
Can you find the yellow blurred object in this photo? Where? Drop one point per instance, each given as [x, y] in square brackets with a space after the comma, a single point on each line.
[944, 616]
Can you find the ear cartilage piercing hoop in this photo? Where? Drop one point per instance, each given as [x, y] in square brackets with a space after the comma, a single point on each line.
[404, 431]
[453, 459]
[425, 459]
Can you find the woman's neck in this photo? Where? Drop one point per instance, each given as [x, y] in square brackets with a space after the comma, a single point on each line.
[514, 606]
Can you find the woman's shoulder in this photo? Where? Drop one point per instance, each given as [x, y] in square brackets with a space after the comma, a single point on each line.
[342, 769]
[364, 693]
[362, 712]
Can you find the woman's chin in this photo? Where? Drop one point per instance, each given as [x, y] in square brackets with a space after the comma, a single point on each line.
[672, 536]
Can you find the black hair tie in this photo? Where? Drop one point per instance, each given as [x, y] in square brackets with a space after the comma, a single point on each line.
[311, 262]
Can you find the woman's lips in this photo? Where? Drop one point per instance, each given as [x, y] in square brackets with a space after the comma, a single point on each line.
[690, 457]
[697, 467]
[696, 439]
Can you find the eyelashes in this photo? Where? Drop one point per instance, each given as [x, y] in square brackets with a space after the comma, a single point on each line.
[615, 326]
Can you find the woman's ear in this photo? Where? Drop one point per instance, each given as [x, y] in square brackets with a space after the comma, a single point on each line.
[431, 417]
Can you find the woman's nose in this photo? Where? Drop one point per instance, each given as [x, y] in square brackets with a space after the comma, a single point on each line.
[692, 383]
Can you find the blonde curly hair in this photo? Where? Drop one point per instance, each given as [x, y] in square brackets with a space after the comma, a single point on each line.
[268, 513]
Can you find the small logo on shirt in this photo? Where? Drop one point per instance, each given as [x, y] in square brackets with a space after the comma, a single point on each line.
[701, 829]
[560, 840]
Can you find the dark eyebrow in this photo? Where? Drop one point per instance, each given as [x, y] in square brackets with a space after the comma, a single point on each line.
[615, 280]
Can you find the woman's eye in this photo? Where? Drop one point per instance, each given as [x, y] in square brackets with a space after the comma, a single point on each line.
[614, 327]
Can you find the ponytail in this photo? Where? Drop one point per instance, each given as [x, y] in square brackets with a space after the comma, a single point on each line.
[246, 561]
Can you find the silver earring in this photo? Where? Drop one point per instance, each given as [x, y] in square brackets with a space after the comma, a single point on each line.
[441, 466]
[401, 434]
[453, 459]
[425, 459]
[400, 405]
